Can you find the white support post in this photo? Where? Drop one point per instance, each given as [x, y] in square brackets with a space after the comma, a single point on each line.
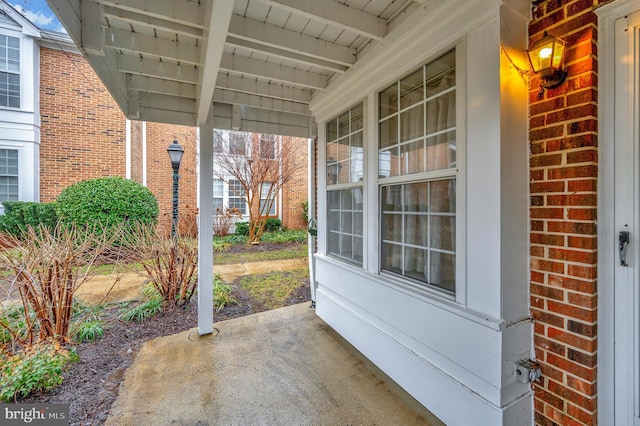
[311, 213]
[205, 230]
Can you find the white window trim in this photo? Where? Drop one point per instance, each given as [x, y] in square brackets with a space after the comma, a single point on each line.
[371, 213]
[460, 176]
[21, 73]
[348, 185]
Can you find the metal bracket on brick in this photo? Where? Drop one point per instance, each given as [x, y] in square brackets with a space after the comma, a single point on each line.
[528, 371]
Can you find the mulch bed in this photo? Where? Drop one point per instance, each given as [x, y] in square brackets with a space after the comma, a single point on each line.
[91, 385]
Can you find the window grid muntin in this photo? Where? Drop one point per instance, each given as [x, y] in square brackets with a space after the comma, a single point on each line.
[267, 147]
[237, 196]
[9, 175]
[337, 230]
[348, 139]
[9, 71]
[218, 195]
[395, 113]
[264, 197]
[238, 144]
[390, 113]
[428, 247]
[347, 246]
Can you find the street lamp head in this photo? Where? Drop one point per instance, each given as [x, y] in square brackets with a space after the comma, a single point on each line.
[175, 154]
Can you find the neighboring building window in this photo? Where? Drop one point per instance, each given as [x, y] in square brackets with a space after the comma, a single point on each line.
[9, 71]
[265, 197]
[8, 175]
[218, 142]
[417, 167]
[237, 197]
[345, 172]
[237, 144]
[218, 194]
[267, 147]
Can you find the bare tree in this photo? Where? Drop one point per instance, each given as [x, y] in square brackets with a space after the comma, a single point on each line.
[262, 164]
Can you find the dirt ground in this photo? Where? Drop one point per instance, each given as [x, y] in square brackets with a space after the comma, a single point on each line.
[91, 385]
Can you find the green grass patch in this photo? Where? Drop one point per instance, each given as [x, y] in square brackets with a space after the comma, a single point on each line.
[274, 288]
[259, 256]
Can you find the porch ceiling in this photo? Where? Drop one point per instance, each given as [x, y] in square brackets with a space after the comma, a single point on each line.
[259, 63]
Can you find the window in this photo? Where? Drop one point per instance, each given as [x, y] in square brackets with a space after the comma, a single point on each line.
[265, 197]
[267, 147]
[218, 194]
[238, 144]
[9, 71]
[218, 142]
[8, 175]
[417, 170]
[237, 197]
[345, 172]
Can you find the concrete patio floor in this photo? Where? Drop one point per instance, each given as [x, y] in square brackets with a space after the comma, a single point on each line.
[280, 367]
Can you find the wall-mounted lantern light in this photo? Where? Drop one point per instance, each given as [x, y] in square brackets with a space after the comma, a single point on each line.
[547, 60]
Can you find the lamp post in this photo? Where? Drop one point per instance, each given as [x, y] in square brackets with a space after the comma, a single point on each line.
[175, 154]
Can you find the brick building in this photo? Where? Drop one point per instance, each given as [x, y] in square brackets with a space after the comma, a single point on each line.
[490, 223]
[83, 134]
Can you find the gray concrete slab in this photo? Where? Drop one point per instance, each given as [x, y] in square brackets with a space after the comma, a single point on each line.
[281, 367]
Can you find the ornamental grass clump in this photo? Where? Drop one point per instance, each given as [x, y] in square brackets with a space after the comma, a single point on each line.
[46, 269]
[170, 264]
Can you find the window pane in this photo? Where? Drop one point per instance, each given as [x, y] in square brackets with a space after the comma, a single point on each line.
[443, 196]
[389, 101]
[413, 157]
[332, 130]
[344, 232]
[424, 131]
[442, 272]
[9, 175]
[343, 125]
[357, 118]
[237, 144]
[345, 153]
[412, 89]
[418, 228]
[389, 132]
[415, 263]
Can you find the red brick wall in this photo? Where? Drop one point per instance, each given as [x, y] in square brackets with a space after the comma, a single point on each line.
[83, 136]
[137, 170]
[82, 128]
[295, 191]
[160, 173]
[563, 180]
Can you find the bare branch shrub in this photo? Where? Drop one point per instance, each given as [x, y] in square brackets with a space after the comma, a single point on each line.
[257, 163]
[46, 269]
[171, 265]
[223, 218]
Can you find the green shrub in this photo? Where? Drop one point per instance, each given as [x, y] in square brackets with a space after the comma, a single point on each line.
[38, 367]
[108, 201]
[273, 224]
[291, 236]
[305, 211]
[222, 293]
[242, 228]
[235, 239]
[19, 215]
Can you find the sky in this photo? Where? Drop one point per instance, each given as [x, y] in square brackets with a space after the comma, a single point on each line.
[38, 12]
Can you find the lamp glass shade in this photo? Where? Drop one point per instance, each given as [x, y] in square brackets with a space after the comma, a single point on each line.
[175, 154]
[546, 55]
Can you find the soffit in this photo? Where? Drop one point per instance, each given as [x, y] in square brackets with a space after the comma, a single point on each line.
[253, 64]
